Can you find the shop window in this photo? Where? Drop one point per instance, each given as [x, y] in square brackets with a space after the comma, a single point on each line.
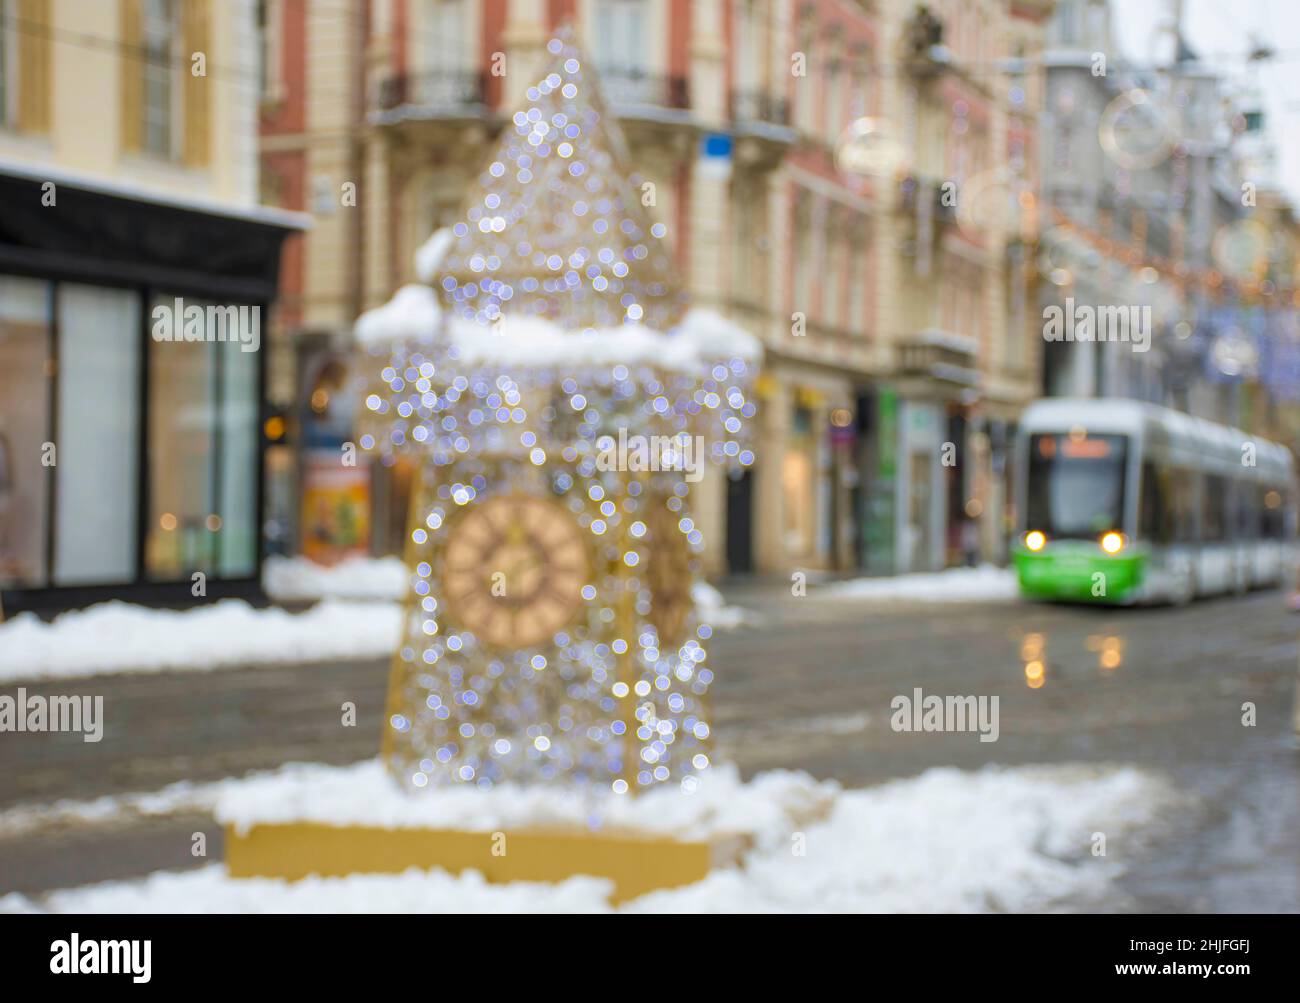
[238, 537]
[98, 428]
[203, 438]
[71, 512]
[182, 448]
[25, 458]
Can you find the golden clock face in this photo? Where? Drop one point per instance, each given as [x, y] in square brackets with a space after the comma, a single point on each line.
[668, 573]
[513, 570]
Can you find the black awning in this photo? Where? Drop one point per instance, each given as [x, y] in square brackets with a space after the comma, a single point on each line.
[99, 235]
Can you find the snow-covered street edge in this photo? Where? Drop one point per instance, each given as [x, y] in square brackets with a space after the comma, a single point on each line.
[1015, 839]
[358, 617]
[289, 579]
[118, 637]
[986, 583]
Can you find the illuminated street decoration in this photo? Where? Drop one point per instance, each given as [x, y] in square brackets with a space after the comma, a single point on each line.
[555, 226]
[1137, 130]
[557, 402]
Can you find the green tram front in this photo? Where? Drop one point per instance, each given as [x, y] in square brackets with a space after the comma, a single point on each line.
[1121, 501]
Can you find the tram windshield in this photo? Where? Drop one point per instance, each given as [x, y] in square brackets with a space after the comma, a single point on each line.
[1076, 484]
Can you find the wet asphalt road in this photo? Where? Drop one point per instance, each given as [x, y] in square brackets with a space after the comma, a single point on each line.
[809, 686]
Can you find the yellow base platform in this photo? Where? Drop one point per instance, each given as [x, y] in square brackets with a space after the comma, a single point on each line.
[636, 863]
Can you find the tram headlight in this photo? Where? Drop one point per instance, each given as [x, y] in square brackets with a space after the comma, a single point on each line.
[1112, 542]
[1035, 540]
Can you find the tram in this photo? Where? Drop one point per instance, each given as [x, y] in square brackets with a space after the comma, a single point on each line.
[1121, 501]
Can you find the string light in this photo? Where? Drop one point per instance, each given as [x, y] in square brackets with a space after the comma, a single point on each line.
[557, 261]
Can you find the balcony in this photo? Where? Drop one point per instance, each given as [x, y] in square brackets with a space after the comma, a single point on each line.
[631, 92]
[761, 122]
[433, 94]
[759, 107]
[939, 356]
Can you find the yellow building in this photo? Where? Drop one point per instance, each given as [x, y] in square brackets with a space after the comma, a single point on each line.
[135, 267]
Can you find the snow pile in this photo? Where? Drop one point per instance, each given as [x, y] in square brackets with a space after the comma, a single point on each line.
[120, 637]
[352, 578]
[712, 608]
[983, 584]
[1014, 840]
[365, 794]
[995, 840]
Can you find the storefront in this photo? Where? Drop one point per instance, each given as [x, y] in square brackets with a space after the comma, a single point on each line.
[131, 380]
[922, 487]
[799, 508]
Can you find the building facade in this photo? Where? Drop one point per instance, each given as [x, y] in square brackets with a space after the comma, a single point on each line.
[1158, 200]
[135, 265]
[893, 325]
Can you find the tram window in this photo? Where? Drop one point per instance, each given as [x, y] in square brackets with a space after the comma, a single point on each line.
[1213, 492]
[1184, 506]
[1076, 484]
[1155, 519]
[1247, 512]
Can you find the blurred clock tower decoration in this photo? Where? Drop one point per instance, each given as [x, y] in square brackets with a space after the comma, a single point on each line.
[562, 399]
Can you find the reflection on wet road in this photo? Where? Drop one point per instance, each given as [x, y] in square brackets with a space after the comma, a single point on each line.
[1164, 689]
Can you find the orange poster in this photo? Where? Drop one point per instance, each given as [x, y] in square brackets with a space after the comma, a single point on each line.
[335, 509]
